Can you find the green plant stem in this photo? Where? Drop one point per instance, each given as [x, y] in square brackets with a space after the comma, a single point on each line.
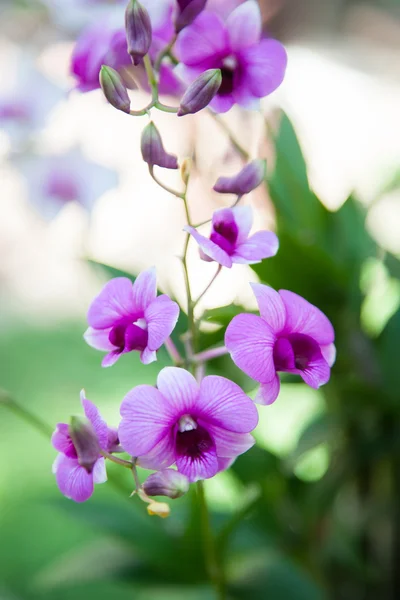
[163, 186]
[213, 566]
[165, 52]
[20, 411]
[115, 459]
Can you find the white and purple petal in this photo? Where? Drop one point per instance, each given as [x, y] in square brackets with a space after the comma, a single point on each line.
[271, 306]
[228, 443]
[62, 441]
[202, 467]
[210, 248]
[264, 67]
[72, 479]
[114, 302]
[161, 456]
[161, 316]
[203, 42]
[250, 342]
[303, 317]
[144, 289]
[223, 403]
[268, 392]
[244, 26]
[179, 389]
[99, 425]
[146, 419]
[260, 245]
[98, 339]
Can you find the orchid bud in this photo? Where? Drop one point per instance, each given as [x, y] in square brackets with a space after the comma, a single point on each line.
[200, 93]
[138, 30]
[245, 181]
[85, 442]
[153, 150]
[114, 89]
[160, 509]
[188, 10]
[186, 168]
[169, 483]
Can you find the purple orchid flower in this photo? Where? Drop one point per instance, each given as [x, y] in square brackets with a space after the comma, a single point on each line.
[100, 44]
[202, 428]
[57, 180]
[229, 241]
[251, 67]
[126, 317]
[79, 465]
[290, 335]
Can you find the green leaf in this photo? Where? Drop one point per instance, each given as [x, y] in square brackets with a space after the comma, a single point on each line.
[324, 428]
[388, 349]
[296, 205]
[223, 315]
[108, 271]
[392, 264]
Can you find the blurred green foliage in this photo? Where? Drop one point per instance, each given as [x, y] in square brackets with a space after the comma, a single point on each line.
[310, 513]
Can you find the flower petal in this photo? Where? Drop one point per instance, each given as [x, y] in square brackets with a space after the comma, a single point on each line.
[222, 103]
[203, 41]
[114, 302]
[179, 388]
[250, 342]
[161, 317]
[316, 373]
[264, 67]
[225, 463]
[244, 26]
[98, 339]
[262, 244]
[202, 467]
[210, 249]
[73, 480]
[271, 306]
[161, 456]
[144, 289]
[99, 471]
[268, 392]
[148, 356]
[228, 443]
[92, 413]
[303, 317]
[329, 353]
[243, 216]
[146, 418]
[111, 358]
[62, 442]
[221, 402]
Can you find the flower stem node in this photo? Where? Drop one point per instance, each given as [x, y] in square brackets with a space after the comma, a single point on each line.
[138, 31]
[160, 509]
[153, 151]
[200, 93]
[169, 483]
[114, 89]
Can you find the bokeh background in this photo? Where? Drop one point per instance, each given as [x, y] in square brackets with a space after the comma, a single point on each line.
[320, 493]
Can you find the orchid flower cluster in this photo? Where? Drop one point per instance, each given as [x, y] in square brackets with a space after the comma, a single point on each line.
[188, 427]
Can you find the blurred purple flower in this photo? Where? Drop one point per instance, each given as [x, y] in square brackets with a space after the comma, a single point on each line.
[202, 428]
[244, 182]
[75, 475]
[188, 10]
[251, 67]
[126, 317]
[100, 44]
[290, 335]
[223, 7]
[54, 181]
[229, 241]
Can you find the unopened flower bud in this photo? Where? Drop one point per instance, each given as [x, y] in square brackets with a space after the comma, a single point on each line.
[153, 150]
[245, 181]
[160, 509]
[114, 89]
[138, 30]
[200, 93]
[188, 10]
[85, 442]
[168, 483]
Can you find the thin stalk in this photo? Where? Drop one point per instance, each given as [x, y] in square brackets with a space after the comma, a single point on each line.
[36, 422]
[115, 459]
[134, 473]
[207, 355]
[208, 286]
[166, 108]
[213, 567]
[163, 186]
[151, 78]
[165, 52]
[173, 351]
[237, 145]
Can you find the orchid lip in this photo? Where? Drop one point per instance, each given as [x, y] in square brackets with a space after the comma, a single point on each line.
[186, 423]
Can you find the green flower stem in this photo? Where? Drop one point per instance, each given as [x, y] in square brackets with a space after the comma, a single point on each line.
[213, 566]
[173, 351]
[115, 459]
[207, 355]
[165, 52]
[151, 78]
[180, 195]
[165, 108]
[20, 411]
